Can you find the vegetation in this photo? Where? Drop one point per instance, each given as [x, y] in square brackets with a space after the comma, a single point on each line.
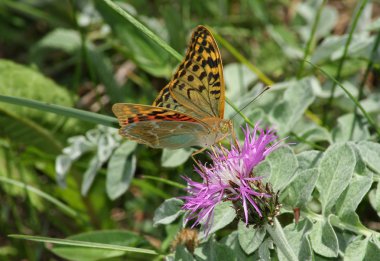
[68, 179]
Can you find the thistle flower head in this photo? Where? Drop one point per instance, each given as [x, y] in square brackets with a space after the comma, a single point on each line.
[230, 177]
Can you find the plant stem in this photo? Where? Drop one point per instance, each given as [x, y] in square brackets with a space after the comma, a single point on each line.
[61, 110]
[361, 86]
[277, 234]
[341, 62]
[355, 101]
[310, 42]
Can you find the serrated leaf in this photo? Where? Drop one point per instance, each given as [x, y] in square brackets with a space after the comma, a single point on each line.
[335, 171]
[232, 242]
[250, 238]
[323, 238]
[167, 212]
[121, 169]
[283, 164]
[213, 250]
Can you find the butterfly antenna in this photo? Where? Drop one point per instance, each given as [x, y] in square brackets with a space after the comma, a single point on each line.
[254, 99]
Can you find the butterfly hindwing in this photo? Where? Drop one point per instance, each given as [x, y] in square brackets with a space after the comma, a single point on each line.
[158, 127]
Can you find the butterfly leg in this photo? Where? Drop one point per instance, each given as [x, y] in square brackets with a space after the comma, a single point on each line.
[195, 153]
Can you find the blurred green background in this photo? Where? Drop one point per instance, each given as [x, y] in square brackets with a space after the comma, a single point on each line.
[83, 54]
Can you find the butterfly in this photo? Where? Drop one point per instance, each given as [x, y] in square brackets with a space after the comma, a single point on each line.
[189, 109]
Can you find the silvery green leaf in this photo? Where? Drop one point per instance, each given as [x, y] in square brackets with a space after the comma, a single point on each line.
[224, 214]
[342, 132]
[283, 165]
[298, 238]
[309, 159]
[264, 249]
[89, 175]
[174, 158]
[367, 248]
[62, 166]
[182, 254]
[79, 145]
[370, 152]
[374, 198]
[106, 145]
[213, 250]
[167, 212]
[298, 192]
[237, 77]
[250, 238]
[121, 169]
[335, 171]
[323, 238]
[353, 194]
[296, 100]
[232, 242]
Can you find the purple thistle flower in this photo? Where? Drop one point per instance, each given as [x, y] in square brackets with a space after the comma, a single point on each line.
[230, 177]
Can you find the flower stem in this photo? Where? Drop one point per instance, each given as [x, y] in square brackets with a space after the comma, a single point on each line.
[277, 234]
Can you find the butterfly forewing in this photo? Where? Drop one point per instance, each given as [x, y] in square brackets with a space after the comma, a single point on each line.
[198, 82]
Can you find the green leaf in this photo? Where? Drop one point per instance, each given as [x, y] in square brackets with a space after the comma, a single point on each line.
[141, 49]
[296, 100]
[63, 39]
[232, 242]
[264, 249]
[90, 174]
[175, 158]
[335, 171]
[283, 164]
[342, 132]
[298, 238]
[299, 191]
[309, 159]
[25, 126]
[370, 152]
[121, 169]
[238, 78]
[250, 238]
[353, 194]
[362, 249]
[168, 211]
[93, 245]
[213, 250]
[323, 238]
[374, 198]
[224, 214]
[182, 254]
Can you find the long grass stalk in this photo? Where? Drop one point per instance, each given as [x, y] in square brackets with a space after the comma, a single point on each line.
[61, 110]
[354, 100]
[364, 79]
[311, 41]
[362, 4]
